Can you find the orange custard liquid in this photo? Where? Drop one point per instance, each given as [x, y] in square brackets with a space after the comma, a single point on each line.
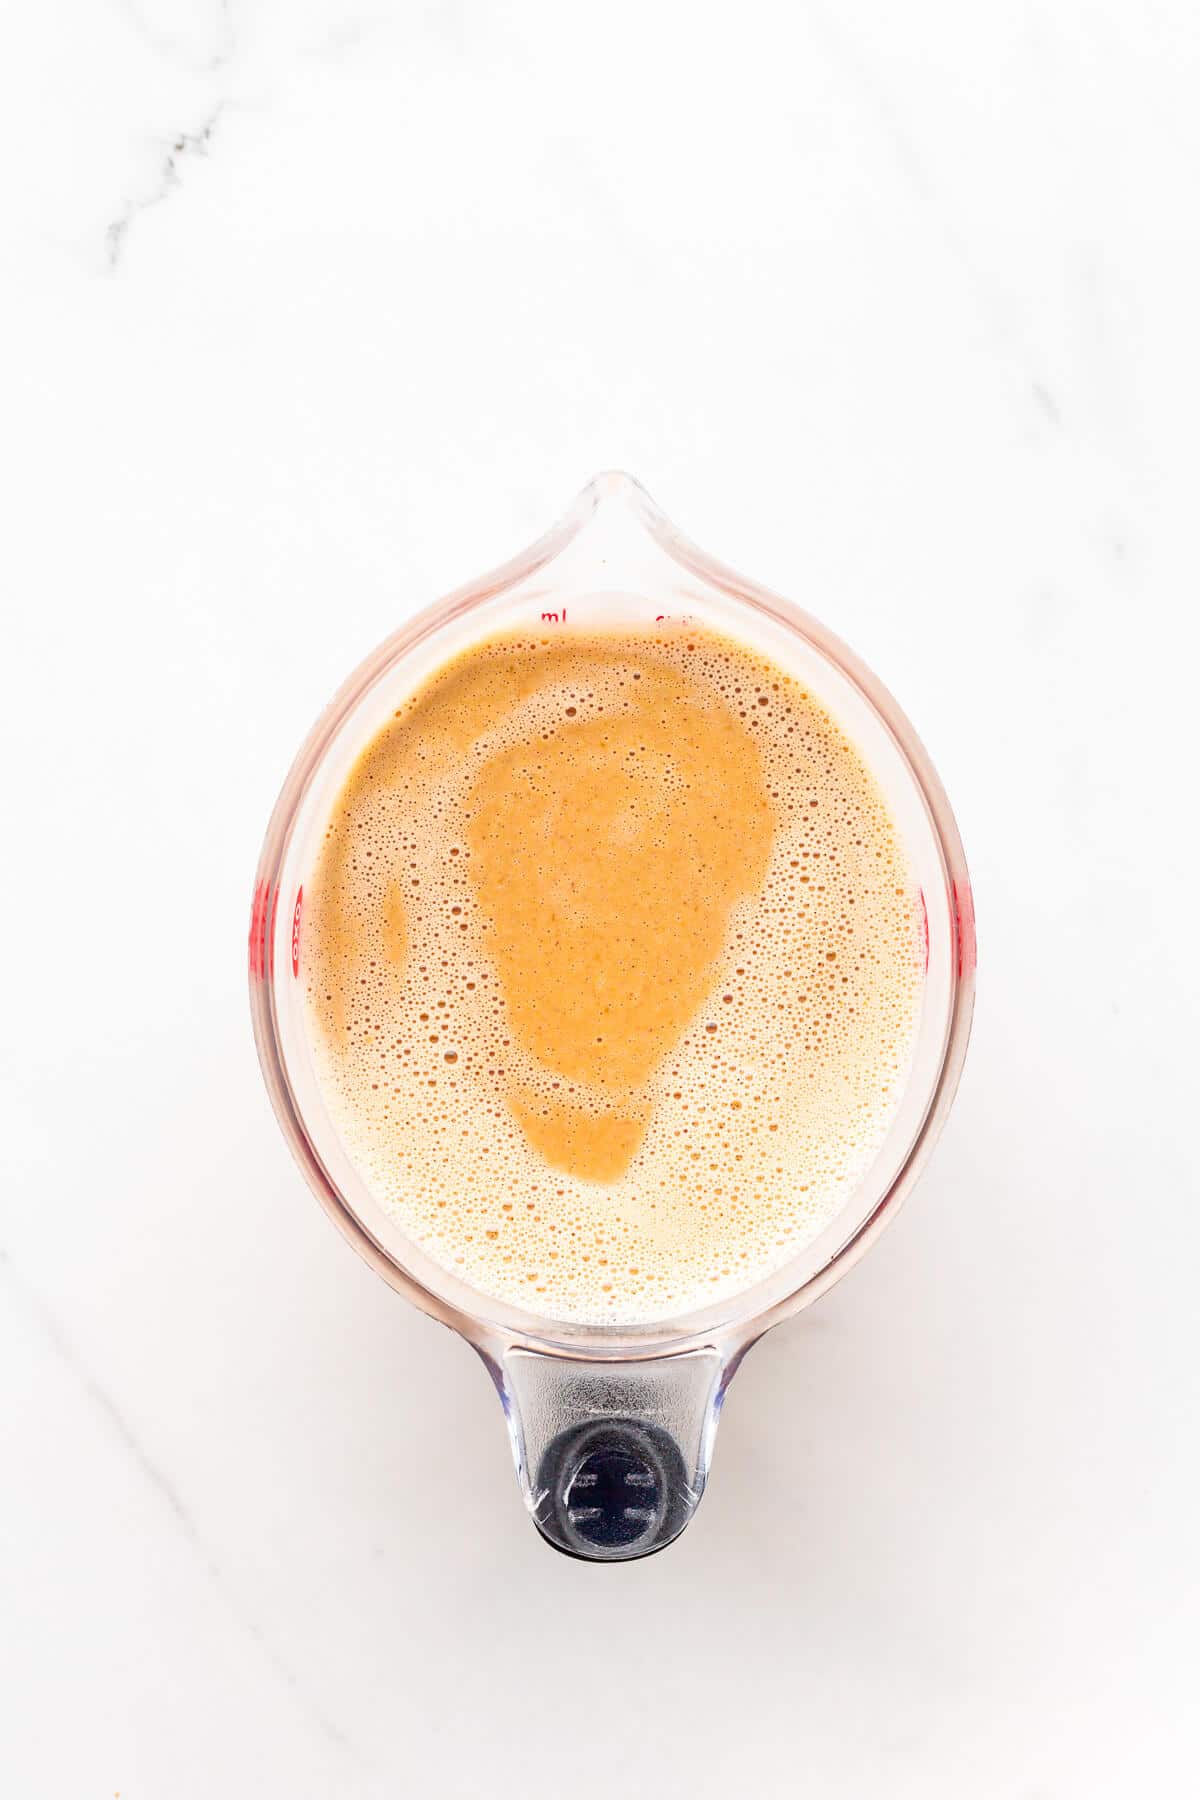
[612, 969]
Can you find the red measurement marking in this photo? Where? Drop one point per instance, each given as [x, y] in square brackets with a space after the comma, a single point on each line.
[924, 929]
[258, 932]
[296, 931]
[964, 919]
[271, 934]
[553, 618]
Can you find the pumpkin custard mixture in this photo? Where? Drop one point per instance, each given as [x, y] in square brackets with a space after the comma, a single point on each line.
[612, 970]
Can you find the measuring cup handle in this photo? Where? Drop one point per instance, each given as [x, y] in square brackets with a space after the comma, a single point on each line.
[612, 1457]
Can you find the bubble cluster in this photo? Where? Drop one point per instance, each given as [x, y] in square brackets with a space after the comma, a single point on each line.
[612, 965]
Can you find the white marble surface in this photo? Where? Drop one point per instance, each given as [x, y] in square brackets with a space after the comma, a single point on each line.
[314, 310]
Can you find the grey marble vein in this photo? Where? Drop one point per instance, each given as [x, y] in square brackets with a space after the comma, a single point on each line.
[159, 1481]
[997, 305]
[186, 144]
[175, 50]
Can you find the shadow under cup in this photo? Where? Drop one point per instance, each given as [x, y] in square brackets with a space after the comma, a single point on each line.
[612, 1427]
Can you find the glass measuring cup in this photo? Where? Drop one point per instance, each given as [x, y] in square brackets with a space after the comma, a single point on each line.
[612, 1427]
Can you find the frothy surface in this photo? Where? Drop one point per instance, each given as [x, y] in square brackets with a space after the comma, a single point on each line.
[612, 968]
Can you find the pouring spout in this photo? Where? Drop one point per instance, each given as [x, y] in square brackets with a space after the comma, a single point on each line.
[612, 1457]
